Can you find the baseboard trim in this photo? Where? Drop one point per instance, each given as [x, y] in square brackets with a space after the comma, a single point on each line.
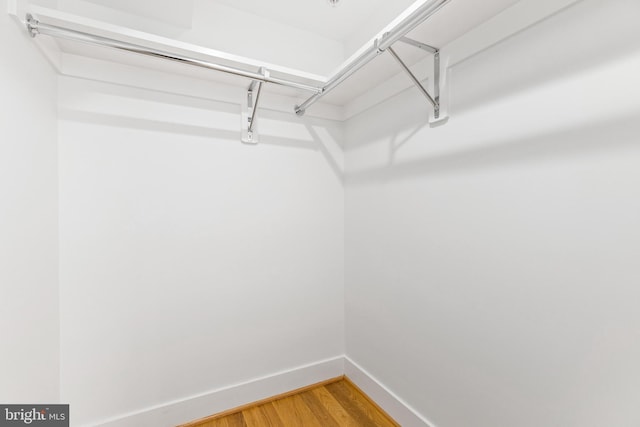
[201, 406]
[388, 401]
[183, 412]
[261, 402]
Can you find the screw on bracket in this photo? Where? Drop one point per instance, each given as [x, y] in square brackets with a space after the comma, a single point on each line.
[32, 25]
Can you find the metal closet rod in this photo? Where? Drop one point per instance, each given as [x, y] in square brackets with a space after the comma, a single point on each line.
[35, 27]
[420, 15]
[380, 45]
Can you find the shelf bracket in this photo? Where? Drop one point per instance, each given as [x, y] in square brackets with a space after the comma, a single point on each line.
[419, 45]
[435, 99]
[250, 109]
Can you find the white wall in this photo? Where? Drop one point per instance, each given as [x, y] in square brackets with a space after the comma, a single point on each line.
[28, 221]
[189, 261]
[492, 264]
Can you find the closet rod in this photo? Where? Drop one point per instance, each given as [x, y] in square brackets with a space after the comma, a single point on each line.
[380, 45]
[35, 27]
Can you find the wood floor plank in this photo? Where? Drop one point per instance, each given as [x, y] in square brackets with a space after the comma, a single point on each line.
[235, 420]
[336, 403]
[321, 412]
[357, 406]
[334, 407]
[295, 413]
[371, 402]
[220, 422]
[205, 421]
[377, 414]
[262, 416]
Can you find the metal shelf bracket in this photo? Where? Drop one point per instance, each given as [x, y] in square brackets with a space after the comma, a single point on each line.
[435, 99]
[250, 109]
[250, 103]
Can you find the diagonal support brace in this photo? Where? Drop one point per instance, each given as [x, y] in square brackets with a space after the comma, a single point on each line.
[419, 45]
[249, 130]
[433, 100]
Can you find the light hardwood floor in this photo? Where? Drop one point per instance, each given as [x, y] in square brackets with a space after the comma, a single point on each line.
[334, 403]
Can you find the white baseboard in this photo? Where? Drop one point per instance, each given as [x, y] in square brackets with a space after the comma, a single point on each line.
[184, 410]
[194, 407]
[398, 409]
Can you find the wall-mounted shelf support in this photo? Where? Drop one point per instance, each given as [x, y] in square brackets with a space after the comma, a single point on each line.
[250, 104]
[435, 99]
[249, 111]
[398, 33]
[36, 27]
[415, 80]
[419, 45]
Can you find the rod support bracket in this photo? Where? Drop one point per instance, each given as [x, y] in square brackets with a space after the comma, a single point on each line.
[32, 25]
[376, 43]
[440, 115]
[437, 118]
[250, 109]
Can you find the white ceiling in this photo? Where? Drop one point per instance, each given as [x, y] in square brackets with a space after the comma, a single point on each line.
[337, 23]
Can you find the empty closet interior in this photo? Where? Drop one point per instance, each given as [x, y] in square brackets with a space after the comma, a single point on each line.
[206, 203]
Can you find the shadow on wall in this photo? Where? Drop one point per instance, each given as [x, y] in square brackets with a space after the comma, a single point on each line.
[566, 43]
[146, 124]
[509, 105]
[509, 152]
[151, 111]
[331, 156]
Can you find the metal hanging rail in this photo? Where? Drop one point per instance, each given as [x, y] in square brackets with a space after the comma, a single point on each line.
[248, 116]
[35, 27]
[379, 46]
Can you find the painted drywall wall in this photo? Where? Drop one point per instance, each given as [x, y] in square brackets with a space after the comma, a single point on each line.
[28, 221]
[189, 261]
[492, 264]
